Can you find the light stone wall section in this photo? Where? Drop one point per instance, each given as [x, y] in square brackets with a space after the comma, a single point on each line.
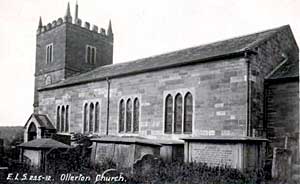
[218, 89]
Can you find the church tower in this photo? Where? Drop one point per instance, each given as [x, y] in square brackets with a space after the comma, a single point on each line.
[67, 47]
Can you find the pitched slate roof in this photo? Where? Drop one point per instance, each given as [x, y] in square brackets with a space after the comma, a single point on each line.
[289, 69]
[43, 120]
[234, 46]
[43, 143]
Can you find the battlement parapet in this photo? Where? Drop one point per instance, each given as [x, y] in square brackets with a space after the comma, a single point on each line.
[77, 22]
[67, 19]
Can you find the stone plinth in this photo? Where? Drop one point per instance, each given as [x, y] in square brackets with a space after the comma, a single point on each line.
[124, 151]
[172, 150]
[236, 152]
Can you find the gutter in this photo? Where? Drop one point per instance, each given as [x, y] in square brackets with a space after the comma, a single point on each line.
[185, 63]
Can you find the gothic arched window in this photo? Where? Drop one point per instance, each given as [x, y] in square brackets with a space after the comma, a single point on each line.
[58, 119]
[128, 115]
[97, 115]
[91, 120]
[168, 114]
[62, 123]
[178, 114]
[188, 113]
[91, 53]
[136, 114]
[32, 132]
[121, 115]
[85, 112]
[49, 53]
[93, 56]
[67, 119]
[88, 54]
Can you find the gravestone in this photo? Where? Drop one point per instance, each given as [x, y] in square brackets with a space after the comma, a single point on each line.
[3, 174]
[146, 164]
[282, 163]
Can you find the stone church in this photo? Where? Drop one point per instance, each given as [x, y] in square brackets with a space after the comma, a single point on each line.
[233, 102]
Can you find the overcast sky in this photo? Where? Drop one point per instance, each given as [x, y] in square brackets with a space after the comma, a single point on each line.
[141, 27]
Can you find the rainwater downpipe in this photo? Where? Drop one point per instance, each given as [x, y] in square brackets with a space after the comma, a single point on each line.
[248, 126]
[108, 103]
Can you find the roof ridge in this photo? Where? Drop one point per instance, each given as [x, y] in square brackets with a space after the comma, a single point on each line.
[196, 53]
[196, 46]
[192, 47]
[258, 42]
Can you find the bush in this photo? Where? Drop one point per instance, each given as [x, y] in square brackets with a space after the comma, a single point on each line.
[167, 173]
[197, 173]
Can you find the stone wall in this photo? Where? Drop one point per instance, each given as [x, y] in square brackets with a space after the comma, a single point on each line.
[269, 55]
[76, 40]
[218, 89]
[57, 37]
[55, 70]
[69, 53]
[283, 116]
[1, 149]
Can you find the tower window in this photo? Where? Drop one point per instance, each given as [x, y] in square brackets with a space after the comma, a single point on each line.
[91, 53]
[49, 53]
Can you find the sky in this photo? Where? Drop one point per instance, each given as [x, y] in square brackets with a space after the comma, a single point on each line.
[141, 28]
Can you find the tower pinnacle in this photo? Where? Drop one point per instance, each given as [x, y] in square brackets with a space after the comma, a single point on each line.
[40, 23]
[109, 30]
[76, 11]
[68, 17]
[68, 12]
